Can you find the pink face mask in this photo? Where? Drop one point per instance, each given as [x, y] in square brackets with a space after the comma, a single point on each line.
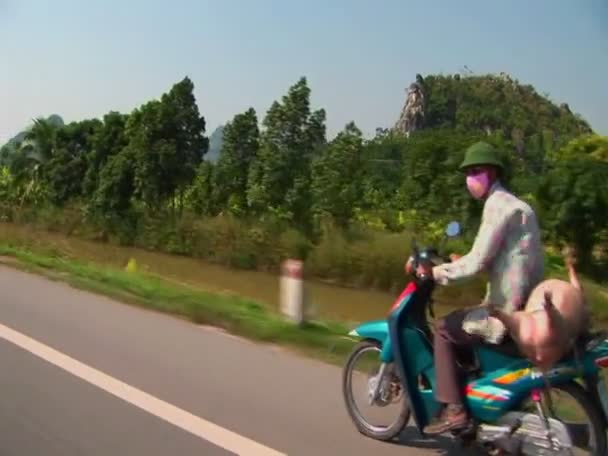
[478, 184]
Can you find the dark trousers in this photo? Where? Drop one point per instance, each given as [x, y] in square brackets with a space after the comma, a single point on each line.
[451, 343]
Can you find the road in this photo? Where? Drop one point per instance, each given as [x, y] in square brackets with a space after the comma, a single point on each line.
[85, 375]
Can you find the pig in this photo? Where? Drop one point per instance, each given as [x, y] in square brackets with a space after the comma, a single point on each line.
[554, 316]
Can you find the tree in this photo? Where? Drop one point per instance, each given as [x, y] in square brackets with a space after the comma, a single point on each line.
[573, 194]
[169, 143]
[199, 194]
[381, 171]
[574, 203]
[114, 193]
[40, 139]
[107, 141]
[65, 171]
[241, 142]
[7, 189]
[280, 176]
[28, 157]
[336, 176]
[431, 181]
[182, 121]
[594, 146]
[145, 141]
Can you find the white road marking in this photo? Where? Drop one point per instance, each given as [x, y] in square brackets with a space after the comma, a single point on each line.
[206, 430]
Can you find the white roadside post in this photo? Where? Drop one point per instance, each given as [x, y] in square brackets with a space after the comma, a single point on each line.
[293, 296]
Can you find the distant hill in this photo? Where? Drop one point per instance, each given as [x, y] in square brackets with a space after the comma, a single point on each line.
[18, 138]
[488, 103]
[9, 147]
[215, 144]
[54, 119]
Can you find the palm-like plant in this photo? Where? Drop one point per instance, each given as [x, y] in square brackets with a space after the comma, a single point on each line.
[32, 154]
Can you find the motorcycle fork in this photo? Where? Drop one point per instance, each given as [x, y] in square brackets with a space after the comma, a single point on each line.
[537, 398]
[379, 380]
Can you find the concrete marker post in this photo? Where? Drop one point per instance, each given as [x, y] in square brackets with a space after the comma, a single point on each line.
[293, 300]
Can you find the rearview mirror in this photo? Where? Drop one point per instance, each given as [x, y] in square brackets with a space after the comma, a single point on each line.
[453, 229]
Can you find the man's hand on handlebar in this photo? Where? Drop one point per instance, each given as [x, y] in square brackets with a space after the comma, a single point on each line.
[424, 268]
[408, 265]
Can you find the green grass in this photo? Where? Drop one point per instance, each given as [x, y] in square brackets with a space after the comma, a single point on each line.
[238, 315]
[325, 340]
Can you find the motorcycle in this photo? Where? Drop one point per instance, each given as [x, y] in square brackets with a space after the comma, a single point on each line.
[511, 403]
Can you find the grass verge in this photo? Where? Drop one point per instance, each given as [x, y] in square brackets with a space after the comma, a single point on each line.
[238, 315]
[324, 340]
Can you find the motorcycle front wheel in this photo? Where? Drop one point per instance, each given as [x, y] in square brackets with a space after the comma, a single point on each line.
[391, 394]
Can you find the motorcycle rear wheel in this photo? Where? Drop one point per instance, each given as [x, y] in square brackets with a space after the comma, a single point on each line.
[597, 440]
[383, 433]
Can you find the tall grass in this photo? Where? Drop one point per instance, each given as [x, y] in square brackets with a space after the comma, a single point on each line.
[360, 257]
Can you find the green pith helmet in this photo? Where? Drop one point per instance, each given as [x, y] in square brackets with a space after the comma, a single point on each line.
[481, 153]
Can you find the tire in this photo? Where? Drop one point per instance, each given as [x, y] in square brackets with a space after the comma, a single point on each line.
[598, 429]
[597, 426]
[374, 432]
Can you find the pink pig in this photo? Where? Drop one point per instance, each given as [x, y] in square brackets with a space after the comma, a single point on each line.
[554, 316]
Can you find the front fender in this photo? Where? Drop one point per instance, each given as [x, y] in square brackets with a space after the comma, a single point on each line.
[376, 330]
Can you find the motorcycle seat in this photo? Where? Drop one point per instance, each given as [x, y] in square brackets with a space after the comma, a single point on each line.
[508, 347]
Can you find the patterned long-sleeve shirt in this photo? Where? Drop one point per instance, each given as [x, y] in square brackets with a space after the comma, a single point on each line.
[508, 247]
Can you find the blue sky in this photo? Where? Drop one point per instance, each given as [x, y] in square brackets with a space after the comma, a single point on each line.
[84, 58]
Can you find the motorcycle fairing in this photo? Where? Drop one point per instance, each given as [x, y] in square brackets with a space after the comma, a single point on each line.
[412, 353]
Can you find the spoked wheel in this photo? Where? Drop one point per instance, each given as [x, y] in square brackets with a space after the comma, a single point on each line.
[570, 404]
[390, 413]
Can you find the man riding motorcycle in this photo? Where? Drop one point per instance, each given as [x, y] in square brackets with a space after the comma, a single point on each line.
[508, 247]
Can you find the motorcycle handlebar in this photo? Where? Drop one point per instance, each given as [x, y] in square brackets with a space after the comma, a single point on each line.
[417, 257]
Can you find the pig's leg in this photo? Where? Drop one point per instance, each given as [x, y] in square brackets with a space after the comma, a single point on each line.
[570, 261]
[548, 302]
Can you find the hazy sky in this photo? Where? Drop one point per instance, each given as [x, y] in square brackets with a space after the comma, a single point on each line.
[82, 58]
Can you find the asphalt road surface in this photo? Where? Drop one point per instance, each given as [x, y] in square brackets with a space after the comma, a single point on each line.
[84, 375]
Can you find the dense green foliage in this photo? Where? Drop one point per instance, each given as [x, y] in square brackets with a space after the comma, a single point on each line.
[281, 186]
[496, 103]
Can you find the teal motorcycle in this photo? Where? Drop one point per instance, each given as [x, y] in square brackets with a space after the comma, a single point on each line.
[514, 407]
